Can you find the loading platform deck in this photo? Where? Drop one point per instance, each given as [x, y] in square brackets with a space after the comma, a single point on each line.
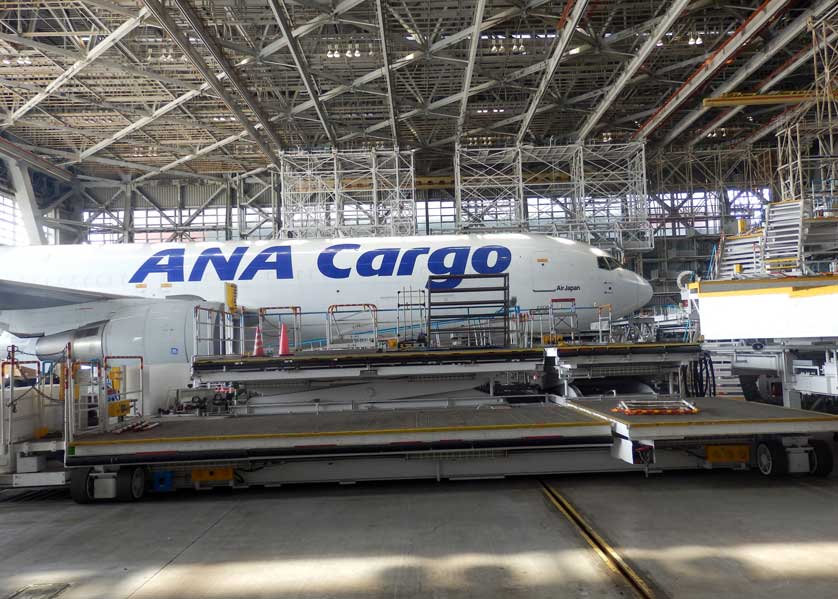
[555, 423]
[345, 364]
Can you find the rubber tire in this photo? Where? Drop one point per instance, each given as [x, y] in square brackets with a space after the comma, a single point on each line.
[820, 460]
[777, 462]
[81, 486]
[130, 484]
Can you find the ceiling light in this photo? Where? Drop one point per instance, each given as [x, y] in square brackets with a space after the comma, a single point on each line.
[329, 53]
[692, 40]
[698, 41]
[515, 46]
[370, 52]
[348, 51]
[659, 44]
[521, 48]
[7, 61]
[20, 60]
[357, 50]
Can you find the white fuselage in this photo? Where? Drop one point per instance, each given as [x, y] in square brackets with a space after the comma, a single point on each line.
[315, 274]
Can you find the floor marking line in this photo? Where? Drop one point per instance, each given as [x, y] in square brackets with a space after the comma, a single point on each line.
[604, 550]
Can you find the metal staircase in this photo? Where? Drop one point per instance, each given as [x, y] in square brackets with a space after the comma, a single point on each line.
[727, 383]
[740, 256]
[783, 237]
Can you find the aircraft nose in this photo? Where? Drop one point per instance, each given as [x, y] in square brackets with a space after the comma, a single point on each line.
[638, 289]
[644, 292]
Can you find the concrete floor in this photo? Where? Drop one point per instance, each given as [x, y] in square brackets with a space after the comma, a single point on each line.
[700, 534]
[403, 540]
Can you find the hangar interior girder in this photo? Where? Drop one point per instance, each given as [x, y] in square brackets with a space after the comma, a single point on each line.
[173, 120]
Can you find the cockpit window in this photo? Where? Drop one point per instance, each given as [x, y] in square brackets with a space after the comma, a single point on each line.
[608, 263]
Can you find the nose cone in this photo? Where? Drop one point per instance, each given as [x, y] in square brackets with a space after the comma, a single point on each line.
[637, 292]
[644, 292]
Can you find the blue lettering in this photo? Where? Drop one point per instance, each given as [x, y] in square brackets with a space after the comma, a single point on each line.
[280, 264]
[326, 261]
[437, 265]
[480, 259]
[367, 268]
[172, 267]
[408, 262]
[225, 267]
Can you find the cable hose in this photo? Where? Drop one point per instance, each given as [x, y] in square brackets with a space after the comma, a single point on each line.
[712, 374]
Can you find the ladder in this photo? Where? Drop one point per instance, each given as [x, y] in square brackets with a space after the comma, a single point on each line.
[784, 223]
[740, 255]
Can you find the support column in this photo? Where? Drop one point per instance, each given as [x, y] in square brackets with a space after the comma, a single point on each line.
[458, 194]
[75, 215]
[228, 210]
[275, 220]
[25, 197]
[521, 208]
[128, 218]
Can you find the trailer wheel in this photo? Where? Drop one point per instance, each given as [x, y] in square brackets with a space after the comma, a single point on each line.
[130, 484]
[820, 458]
[771, 458]
[81, 486]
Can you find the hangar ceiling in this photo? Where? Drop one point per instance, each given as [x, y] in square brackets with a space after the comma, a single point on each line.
[204, 88]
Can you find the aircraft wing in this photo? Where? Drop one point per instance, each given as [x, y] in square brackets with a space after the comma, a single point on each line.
[15, 295]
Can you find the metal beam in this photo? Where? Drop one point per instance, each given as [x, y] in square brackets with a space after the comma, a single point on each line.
[229, 71]
[25, 197]
[571, 101]
[114, 38]
[777, 43]
[789, 115]
[418, 55]
[789, 67]
[757, 99]
[194, 92]
[153, 170]
[345, 6]
[763, 15]
[278, 8]
[138, 124]
[669, 18]
[573, 13]
[196, 154]
[111, 65]
[16, 153]
[474, 42]
[154, 204]
[385, 57]
[198, 61]
[513, 76]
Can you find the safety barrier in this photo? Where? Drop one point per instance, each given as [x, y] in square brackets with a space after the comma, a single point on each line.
[352, 326]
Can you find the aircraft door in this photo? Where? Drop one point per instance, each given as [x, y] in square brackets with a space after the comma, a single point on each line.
[542, 273]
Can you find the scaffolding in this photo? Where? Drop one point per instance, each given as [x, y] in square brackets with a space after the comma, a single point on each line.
[347, 194]
[594, 193]
[825, 169]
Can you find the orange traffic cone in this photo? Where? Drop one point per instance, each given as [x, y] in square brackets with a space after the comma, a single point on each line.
[284, 350]
[258, 347]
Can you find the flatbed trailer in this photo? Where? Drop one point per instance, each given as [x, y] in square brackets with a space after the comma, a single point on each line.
[554, 437]
[438, 436]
